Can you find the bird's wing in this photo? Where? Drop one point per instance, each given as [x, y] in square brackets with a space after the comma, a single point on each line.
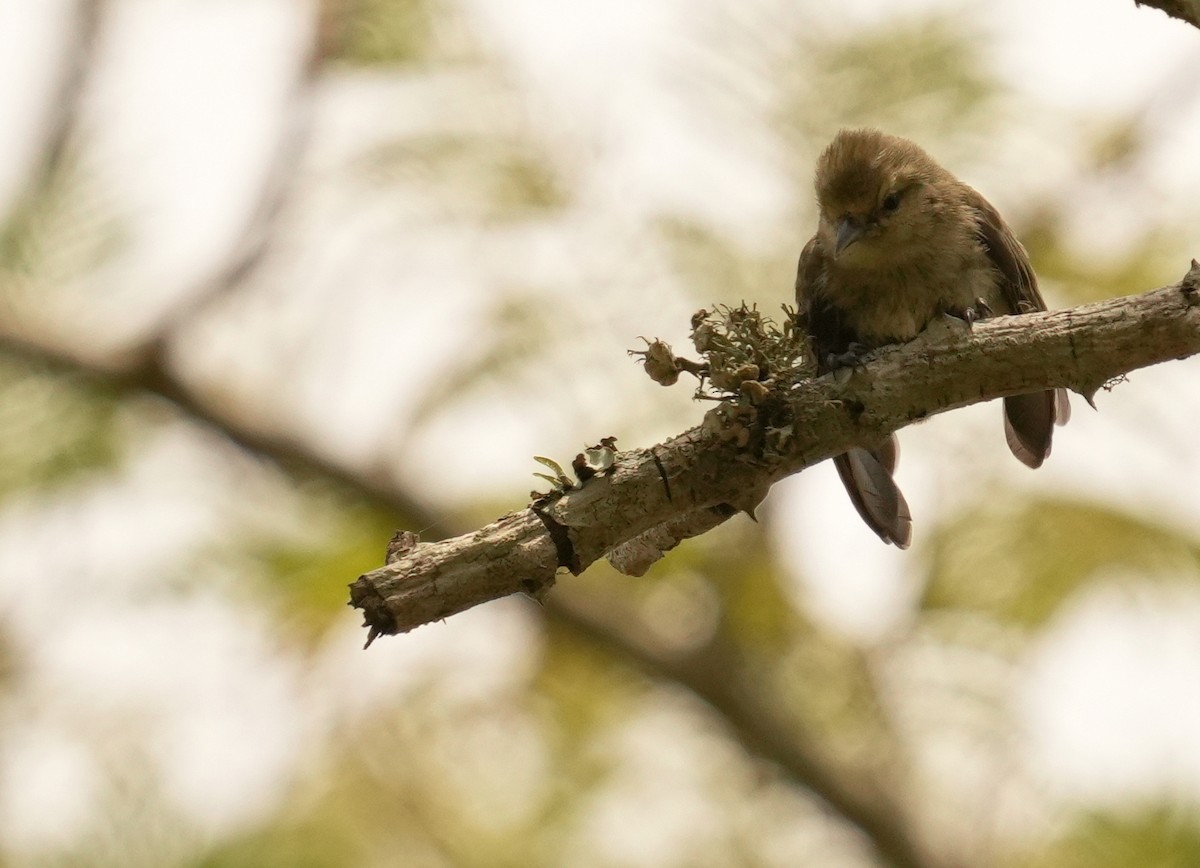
[1028, 419]
[822, 320]
[808, 272]
[1020, 284]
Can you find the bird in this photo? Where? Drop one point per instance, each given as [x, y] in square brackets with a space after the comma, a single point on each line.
[901, 241]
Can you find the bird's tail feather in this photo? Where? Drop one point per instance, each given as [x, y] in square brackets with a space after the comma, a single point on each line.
[1029, 422]
[867, 475]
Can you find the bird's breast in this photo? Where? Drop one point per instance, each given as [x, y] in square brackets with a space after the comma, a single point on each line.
[892, 306]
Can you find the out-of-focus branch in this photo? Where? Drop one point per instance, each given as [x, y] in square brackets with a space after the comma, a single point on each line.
[147, 368]
[716, 674]
[275, 191]
[1184, 10]
[78, 57]
[697, 479]
[151, 374]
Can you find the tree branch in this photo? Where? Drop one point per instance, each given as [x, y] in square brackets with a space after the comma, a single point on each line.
[1184, 10]
[696, 480]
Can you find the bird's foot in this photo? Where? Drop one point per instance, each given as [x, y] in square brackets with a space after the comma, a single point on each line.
[853, 357]
[842, 364]
[971, 314]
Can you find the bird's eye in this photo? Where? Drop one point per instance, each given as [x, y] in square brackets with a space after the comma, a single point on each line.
[891, 201]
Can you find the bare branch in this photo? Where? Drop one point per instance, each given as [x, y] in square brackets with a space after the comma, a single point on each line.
[55, 163]
[699, 478]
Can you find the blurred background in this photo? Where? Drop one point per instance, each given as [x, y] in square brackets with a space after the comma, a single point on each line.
[279, 277]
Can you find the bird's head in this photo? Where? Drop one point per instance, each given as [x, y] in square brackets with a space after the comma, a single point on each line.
[881, 197]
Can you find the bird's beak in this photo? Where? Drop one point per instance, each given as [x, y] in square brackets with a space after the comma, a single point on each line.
[849, 230]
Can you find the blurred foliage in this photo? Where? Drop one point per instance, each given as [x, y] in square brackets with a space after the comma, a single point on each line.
[375, 32]
[1155, 837]
[55, 426]
[323, 843]
[518, 328]
[1119, 144]
[715, 268]
[723, 594]
[1038, 553]
[60, 229]
[528, 771]
[755, 611]
[10, 659]
[927, 66]
[307, 572]
[920, 74]
[485, 177]
[1083, 279]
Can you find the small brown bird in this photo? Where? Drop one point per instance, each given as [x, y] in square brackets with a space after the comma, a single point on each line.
[900, 242]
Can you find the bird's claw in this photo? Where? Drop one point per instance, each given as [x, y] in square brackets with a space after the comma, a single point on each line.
[971, 314]
[853, 357]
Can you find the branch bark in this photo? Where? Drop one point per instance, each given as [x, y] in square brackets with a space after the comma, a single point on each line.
[1184, 10]
[698, 479]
